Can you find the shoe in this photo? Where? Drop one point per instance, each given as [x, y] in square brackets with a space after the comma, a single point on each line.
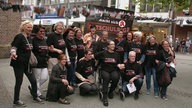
[156, 95]
[105, 102]
[110, 95]
[63, 101]
[136, 96]
[38, 100]
[42, 97]
[30, 89]
[19, 103]
[164, 98]
[148, 92]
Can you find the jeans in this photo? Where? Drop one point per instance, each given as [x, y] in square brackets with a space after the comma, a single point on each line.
[148, 72]
[138, 84]
[19, 71]
[41, 75]
[71, 72]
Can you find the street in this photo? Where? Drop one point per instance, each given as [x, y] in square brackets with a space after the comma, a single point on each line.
[179, 92]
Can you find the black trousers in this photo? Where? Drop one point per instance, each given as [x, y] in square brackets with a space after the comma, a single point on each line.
[19, 71]
[63, 91]
[87, 88]
[108, 77]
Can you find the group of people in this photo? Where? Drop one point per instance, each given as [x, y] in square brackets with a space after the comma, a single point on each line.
[182, 46]
[69, 59]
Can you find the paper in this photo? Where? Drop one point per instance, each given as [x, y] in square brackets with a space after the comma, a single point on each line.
[172, 64]
[131, 87]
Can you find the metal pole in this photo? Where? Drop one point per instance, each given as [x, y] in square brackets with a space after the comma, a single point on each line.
[68, 13]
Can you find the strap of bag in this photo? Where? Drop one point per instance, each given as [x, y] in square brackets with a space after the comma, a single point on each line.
[28, 43]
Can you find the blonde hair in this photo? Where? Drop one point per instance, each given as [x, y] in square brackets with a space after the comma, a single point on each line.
[57, 23]
[23, 24]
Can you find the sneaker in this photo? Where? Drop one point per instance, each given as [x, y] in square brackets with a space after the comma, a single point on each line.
[110, 95]
[156, 95]
[19, 103]
[105, 102]
[42, 97]
[63, 101]
[136, 96]
[148, 92]
[38, 100]
[164, 98]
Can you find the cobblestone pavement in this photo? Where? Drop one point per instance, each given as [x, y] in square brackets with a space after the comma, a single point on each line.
[179, 92]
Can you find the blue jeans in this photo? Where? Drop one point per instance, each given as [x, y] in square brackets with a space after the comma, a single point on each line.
[148, 72]
[71, 72]
[138, 84]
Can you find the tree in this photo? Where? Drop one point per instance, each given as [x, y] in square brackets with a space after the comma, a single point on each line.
[177, 4]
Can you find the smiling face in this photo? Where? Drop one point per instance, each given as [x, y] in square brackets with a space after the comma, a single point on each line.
[41, 33]
[59, 28]
[27, 28]
[79, 34]
[70, 34]
[63, 60]
[111, 46]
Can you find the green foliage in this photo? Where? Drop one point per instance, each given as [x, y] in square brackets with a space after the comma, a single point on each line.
[178, 4]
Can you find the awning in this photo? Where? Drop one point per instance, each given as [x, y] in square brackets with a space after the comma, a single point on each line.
[184, 21]
[52, 21]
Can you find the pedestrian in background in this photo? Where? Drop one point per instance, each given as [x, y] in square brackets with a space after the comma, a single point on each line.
[20, 53]
[188, 44]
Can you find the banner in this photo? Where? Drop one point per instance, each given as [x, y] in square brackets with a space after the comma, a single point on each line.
[108, 19]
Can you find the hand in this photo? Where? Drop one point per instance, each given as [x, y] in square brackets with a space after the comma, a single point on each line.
[139, 62]
[157, 61]
[13, 56]
[59, 51]
[70, 88]
[168, 65]
[69, 63]
[131, 80]
[65, 82]
[121, 66]
[86, 80]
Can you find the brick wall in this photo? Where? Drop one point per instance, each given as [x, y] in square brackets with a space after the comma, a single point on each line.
[9, 27]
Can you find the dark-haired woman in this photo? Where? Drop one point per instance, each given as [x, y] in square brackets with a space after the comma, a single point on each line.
[166, 60]
[58, 87]
[40, 49]
[110, 65]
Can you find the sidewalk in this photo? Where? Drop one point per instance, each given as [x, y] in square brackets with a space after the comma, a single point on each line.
[179, 92]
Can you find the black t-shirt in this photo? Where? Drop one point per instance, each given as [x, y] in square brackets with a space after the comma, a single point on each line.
[100, 46]
[138, 48]
[133, 68]
[108, 61]
[40, 49]
[85, 68]
[58, 42]
[71, 47]
[80, 48]
[151, 52]
[23, 50]
[120, 48]
[165, 56]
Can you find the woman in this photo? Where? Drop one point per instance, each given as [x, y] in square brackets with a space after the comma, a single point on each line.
[40, 49]
[110, 65]
[150, 66]
[56, 44]
[72, 50]
[85, 74]
[120, 45]
[79, 43]
[165, 60]
[20, 53]
[58, 87]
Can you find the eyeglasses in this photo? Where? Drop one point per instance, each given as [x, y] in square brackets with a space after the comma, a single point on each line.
[41, 31]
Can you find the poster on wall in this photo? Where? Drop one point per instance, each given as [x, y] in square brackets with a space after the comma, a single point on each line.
[108, 19]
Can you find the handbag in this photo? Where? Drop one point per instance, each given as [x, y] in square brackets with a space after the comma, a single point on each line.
[32, 59]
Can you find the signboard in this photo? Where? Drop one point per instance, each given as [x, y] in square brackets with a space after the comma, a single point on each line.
[108, 19]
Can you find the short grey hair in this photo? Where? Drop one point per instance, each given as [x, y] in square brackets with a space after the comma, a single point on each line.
[57, 23]
[132, 53]
[137, 33]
